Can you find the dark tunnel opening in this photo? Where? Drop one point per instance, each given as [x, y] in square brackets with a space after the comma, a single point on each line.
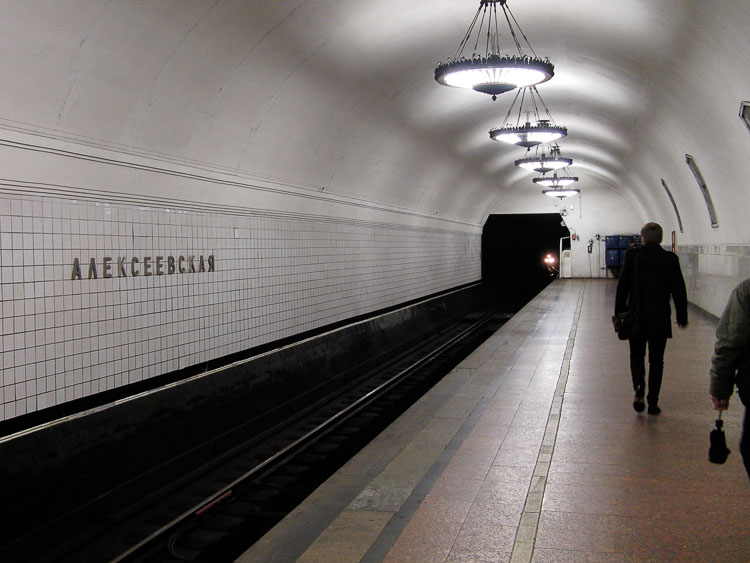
[514, 248]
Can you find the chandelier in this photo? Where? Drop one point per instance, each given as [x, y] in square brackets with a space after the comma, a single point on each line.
[543, 163]
[536, 129]
[489, 71]
[555, 181]
[561, 193]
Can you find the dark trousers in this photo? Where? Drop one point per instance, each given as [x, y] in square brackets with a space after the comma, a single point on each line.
[656, 347]
[743, 391]
[745, 442]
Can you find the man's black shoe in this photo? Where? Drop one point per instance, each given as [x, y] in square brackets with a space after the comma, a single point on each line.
[653, 409]
[638, 403]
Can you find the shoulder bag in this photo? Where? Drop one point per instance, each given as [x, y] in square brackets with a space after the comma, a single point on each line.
[627, 324]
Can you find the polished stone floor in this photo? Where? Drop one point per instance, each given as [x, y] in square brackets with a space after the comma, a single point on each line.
[530, 450]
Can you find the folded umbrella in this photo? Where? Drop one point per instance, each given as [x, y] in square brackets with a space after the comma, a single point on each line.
[718, 451]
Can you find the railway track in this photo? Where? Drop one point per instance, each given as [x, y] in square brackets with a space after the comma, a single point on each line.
[216, 511]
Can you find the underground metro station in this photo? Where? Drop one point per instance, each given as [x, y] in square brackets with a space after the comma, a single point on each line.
[334, 281]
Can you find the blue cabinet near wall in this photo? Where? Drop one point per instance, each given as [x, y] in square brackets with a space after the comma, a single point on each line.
[616, 246]
[613, 257]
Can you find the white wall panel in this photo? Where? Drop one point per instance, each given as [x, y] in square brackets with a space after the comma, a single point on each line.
[327, 113]
[712, 272]
[275, 275]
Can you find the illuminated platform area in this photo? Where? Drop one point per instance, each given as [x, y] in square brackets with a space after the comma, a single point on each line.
[530, 450]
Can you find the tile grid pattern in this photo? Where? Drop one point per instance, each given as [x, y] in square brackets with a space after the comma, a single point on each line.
[712, 272]
[274, 277]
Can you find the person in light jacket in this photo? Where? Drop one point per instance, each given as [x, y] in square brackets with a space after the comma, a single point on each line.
[648, 278]
[730, 364]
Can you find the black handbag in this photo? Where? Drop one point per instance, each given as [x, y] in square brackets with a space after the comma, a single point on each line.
[628, 323]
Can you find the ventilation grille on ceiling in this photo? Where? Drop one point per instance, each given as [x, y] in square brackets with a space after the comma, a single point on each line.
[674, 205]
[704, 189]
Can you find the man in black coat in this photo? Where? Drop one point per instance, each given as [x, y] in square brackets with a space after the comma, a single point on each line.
[649, 277]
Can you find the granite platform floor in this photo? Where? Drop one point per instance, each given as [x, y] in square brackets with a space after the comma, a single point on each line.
[530, 450]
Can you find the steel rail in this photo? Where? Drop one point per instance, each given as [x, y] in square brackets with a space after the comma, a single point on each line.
[299, 444]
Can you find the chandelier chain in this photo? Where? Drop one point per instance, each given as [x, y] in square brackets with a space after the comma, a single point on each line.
[485, 69]
[466, 38]
[534, 103]
[489, 41]
[512, 105]
[532, 91]
[494, 38]
[492, 45]
[546, 109]
[507, 11]
[520, 107]
[512, 31]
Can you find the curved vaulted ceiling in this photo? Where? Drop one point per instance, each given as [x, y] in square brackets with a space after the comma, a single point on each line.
[340, 96]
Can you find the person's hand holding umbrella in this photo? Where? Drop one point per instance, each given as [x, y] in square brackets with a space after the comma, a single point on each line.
[718, 451]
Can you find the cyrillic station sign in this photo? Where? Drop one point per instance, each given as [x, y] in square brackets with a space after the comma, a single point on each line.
[123, 266]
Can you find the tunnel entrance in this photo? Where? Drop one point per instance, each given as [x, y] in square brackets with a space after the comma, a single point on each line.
[514, 248]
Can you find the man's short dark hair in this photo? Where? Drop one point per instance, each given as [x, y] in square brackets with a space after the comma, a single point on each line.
[652, 233]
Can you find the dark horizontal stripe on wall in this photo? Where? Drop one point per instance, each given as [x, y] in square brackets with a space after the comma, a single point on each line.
[76, 406]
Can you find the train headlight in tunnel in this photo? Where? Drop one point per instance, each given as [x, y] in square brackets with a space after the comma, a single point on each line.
[550, 262]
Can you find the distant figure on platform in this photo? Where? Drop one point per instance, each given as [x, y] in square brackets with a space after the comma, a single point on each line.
[730, 364]
[649, 277]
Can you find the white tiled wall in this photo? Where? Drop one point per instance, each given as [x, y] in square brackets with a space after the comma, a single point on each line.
[275, 276]
[712, 272]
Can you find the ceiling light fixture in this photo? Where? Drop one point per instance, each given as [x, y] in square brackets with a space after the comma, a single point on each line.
[536, 129]
[562, 193]
[490, 72]
[545, 163]
[555, 181]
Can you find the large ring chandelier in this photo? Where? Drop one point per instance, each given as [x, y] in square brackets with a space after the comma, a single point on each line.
[561, 193]
[555, 181]
[491, 72]
[528, 135]
[536, 129]
[544, 163]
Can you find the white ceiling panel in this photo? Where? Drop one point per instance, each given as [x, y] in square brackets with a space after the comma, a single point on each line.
[341, 95]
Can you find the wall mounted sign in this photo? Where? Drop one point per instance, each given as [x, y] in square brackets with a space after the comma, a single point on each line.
[122, 266]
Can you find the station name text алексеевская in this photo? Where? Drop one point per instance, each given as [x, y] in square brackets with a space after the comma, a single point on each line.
[133, 267]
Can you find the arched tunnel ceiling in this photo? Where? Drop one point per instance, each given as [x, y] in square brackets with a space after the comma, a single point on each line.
[340, 95]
